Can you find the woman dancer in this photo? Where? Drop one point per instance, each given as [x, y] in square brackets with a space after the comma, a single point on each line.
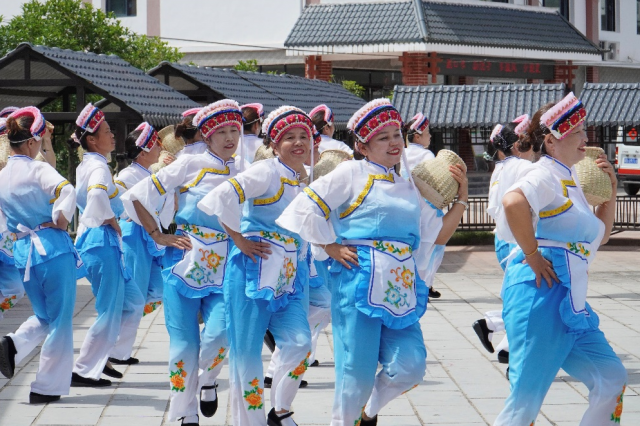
[189, 132]
[99, 245]
[268, 271]
[11, 288]
[142, 255]
[253, 115]
[515, 153]
[37, 204]
[193, 280]
[387, 233]
[322, 118]
[549, 323]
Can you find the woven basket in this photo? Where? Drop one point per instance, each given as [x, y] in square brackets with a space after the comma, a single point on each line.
[160, 164]
[434, 180]
[329, 160]
[4, 151]
[595, 183]
[263, 153]
[169, 141]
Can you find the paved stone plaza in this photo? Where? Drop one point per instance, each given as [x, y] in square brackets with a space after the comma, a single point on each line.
[464, 384]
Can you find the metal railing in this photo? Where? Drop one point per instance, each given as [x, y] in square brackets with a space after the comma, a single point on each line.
[476, 217]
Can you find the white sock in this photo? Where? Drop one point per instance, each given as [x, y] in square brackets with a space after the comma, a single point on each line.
[191, 419]
[288, 421]
[209, 395]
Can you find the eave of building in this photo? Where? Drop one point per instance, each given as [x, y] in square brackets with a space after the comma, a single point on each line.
[452, 49]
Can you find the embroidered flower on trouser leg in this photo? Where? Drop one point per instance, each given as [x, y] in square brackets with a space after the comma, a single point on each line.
[254, 396]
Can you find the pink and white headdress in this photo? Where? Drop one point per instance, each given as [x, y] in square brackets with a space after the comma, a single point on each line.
[496, 131]
[328, 114]
[566, 115]
[285, 118]
[3, 126]
[148, 137]
[373, 117]
[191, 111]
[420, 124]
[90, 118]
[523, 124]
[217, 115]
[259, 108]
[5, 112]
[39, 125]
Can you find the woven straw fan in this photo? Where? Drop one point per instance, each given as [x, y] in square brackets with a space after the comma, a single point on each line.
[263, 153]
[329, 160]
[595, 183]
[434, 180]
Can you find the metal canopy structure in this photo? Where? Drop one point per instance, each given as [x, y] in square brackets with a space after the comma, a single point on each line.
[38, 75]
[474, 105]
[205, 85]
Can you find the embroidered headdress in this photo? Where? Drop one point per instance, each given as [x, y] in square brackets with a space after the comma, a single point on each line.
[39, 125]
[523, 124]
[285, 118]
[217, 115]
[148, 137]
[5, 112]
[373, 117]
[191, 111]
[328, 114]
[420, 124]
[565, 116]
[259, 109]
[90, 118]
[3, 126]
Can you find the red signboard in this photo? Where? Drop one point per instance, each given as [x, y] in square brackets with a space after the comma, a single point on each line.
[496, 68]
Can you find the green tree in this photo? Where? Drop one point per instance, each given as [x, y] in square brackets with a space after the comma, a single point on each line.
[353, 87]
[76, 25]
[248, 65]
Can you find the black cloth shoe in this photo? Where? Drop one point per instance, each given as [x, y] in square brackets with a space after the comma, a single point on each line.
[7, 357]
[507, 373]
[209, 408]
[270, 341]
[433, 294]
[503, 357]
[314, 363]
[129, 361]
[77, 381]
[36, 398]
[481, 329]
[111, 372]
[267, 382]
[275, 420]
[303, 384]
[190, 424]
[371, 422]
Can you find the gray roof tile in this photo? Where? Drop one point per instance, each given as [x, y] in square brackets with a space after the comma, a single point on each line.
[612, 104]
[447, 23]
[474, 106]
[274, 91]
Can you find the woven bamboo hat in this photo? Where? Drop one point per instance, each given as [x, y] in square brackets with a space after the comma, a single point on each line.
[164, 155]
[4, 151]
[329, 160]
[169, 141]
[595, 183]
[434, 180]
[264, 153]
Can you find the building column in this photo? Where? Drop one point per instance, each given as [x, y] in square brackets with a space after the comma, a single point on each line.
[563, 73]
[153, 18]
[593, 20]
[417, 66]
[317, 69]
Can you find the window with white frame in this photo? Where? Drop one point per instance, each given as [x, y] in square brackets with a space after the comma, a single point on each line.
[608, 15]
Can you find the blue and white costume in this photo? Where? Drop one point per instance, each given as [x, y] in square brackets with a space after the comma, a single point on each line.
[195, 148]
[376, 305]
[193, 280]
[267, 294]
[327, 143]
[32, 194]
[252, 143]
[416, 154]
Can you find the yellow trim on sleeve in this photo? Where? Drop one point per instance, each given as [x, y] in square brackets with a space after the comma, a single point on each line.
[96, 187]
[318, 200]
[115, 193]
[365, 192]
[58, 190]
[238, 189]
[158, 185]
[566, 206]
[121, 183]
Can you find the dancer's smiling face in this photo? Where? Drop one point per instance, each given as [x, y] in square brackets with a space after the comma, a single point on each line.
[294, 148]
[385, 148]
[224, 142]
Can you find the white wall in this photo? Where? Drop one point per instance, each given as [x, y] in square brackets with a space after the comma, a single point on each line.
[626, 33]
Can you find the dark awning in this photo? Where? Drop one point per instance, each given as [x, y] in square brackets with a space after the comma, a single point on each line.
[612, 104]
[474, 105]
[270, 90]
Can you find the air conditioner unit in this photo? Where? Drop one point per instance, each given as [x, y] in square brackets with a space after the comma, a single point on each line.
[612, 50]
